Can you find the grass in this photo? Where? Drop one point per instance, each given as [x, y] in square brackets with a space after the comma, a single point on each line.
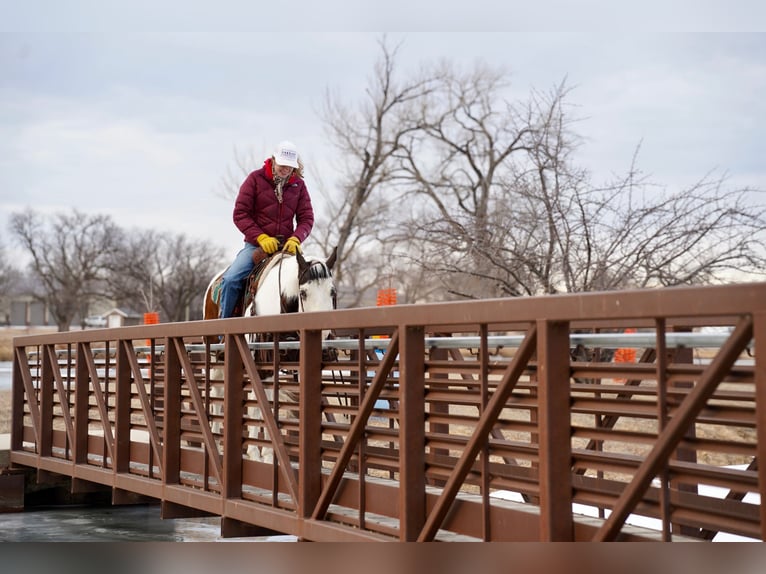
[7, 335]
[6, 350]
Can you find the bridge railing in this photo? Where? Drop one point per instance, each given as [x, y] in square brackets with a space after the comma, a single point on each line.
[492, 420]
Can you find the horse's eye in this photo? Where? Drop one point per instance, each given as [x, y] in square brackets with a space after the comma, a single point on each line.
[304, 294]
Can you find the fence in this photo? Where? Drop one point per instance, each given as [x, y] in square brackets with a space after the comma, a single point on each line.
[499, 420]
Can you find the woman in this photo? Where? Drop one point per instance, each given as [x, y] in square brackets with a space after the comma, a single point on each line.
[273, 203]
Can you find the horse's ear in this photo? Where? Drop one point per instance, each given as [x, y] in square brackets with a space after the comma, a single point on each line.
[301, 261]
[331, 260]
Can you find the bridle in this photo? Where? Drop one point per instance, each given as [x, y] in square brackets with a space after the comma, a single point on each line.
[301, 280]
[301, 277]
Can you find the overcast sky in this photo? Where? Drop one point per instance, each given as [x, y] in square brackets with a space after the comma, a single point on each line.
[138, 113]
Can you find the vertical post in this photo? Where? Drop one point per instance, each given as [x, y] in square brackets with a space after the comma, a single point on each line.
[122, 416]
[233, 411]
[172, 415]
[556, 523]
[412, 483]
[310, 441]
[81, 394]
[439, 354]
[486, 527]
[17, 392]
[45, 448]
[684, 355]
[759, 334]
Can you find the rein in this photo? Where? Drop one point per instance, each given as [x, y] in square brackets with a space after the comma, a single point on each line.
[301, 277]
[279, 287]
[301, 280]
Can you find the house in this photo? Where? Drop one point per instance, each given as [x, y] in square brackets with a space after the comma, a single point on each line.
[25, 311]
[122, 318]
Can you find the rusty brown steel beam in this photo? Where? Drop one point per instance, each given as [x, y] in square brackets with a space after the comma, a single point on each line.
[80, 447]
[682, 304]
[515, 369]
[46, 406]
[233, 411]
[486, 523]
[671, 436]
[122, 419]
[95, 381]
[357, 428]
[310, 441]
[759, 330]
[662, 359]
[412, 502]
[26, 378]
[277, 439]
[66, 411]
[171, 416]
[199, 407]
[369, 447]
[553, 372]
[126, 348]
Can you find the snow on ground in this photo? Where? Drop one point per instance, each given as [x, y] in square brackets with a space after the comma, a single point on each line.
[654, 523]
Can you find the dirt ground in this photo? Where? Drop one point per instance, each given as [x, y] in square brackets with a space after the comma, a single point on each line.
[5, 412]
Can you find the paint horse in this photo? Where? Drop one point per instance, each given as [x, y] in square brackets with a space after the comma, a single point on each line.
[287, 284]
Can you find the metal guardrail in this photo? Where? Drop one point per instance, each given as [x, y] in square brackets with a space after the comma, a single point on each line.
[318, 445]
[600, 340]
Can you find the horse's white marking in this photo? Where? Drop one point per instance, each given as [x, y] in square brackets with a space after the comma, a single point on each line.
[280, 280]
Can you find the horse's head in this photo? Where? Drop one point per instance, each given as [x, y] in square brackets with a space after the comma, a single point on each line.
[316, 286]
[296, 284]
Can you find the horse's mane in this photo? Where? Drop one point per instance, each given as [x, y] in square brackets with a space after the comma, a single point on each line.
[316, 272]
[317, 268]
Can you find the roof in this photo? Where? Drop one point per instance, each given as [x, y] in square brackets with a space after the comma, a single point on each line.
[125, 313]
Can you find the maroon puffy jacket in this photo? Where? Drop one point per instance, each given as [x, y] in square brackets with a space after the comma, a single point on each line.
[257, 209]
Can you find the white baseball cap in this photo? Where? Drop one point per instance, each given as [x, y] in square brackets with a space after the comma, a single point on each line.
[286, 154]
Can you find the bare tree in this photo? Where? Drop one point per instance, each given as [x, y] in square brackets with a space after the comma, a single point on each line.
[70, 256]
[455, 166]
[637, 236]
[166, 273]
[9, 274]
[367, 139]
[230, 183]
[10, 278]
[453, 186]
[500, 208]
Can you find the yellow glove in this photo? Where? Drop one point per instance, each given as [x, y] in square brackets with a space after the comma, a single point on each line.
[292, 245]
[268, 244]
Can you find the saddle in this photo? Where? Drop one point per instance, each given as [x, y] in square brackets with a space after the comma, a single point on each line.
[251, 286]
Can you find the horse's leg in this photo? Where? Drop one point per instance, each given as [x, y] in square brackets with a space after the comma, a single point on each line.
[216, 392]
[253, 430]
[211, 309]
[258, 431]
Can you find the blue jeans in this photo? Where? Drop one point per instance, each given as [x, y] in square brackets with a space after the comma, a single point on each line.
[233, 280]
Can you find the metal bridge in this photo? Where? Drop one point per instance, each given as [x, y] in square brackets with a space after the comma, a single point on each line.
[494, 420]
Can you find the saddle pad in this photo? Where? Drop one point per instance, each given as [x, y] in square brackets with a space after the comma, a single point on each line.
[216, 295]
[251, 285]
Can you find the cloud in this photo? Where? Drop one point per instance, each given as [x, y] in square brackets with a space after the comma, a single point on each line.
[144, 125]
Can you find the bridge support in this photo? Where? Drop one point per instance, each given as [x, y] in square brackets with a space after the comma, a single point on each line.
[11, 490]
[232, 528]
